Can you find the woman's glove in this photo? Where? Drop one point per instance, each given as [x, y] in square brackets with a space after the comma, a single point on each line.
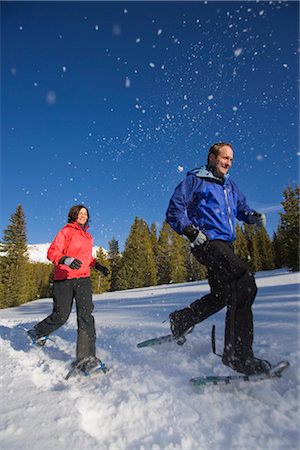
[102, 269]
[73, 263]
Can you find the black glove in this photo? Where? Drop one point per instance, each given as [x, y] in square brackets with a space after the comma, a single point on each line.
[195, 236]
[73, 263]
[102, 269]
[259, 219]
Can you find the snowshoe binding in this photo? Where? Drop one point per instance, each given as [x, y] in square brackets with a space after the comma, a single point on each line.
[40, 341]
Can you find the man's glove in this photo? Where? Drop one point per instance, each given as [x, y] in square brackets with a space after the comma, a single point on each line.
[259, 219]
[73, 263]
[195, 236]
[102, 269]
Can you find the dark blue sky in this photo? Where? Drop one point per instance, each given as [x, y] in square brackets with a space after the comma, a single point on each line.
[111, 103]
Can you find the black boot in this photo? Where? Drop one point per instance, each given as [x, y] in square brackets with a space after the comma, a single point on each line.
[181, 322]
[87, 365]
[247, 366]
[37, 340]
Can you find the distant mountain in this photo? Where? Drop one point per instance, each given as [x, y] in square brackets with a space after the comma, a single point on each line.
[38, 252]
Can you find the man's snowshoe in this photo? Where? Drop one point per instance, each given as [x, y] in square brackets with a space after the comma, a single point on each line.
[181, 324]
[248, 366]
[86, 367]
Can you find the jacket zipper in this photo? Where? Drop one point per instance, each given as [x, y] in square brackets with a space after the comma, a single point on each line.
[229, 209]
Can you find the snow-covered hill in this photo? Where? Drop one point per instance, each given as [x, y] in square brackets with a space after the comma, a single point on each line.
[145, 401]
[38, 252]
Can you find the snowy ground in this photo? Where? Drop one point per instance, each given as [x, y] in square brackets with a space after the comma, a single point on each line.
[145, 401]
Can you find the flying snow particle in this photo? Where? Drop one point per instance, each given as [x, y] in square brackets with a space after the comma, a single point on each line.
[285, 66]
[127, 82]
[97, 27]
[125, 11]
[13, 71]
[159, 32]
[234, 108]
[238, 51]
[210, 97]
[180, 169]
[259, 157]
[116, 30]
[64, 68]
[51, 98]
[152, 65]
[138, 40]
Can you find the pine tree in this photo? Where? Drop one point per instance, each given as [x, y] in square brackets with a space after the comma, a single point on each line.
[100, 283]
[265, 249]
[171, 256]
[138, 267]
[41, 276]
[178, 261]
[241, 245]
[154, 243]
[14, 263]
[289, 226]
[164, 252]
[2, 305]
[278, 248]
[254, 261]
[195, 270]
[114, 258]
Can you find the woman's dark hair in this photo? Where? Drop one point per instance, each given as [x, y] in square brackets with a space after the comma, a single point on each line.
[214, 149]
[74, 211]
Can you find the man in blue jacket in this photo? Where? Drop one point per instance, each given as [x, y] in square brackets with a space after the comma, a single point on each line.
[204, 207]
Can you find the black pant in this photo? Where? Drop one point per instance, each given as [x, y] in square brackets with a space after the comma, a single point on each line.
[232, 285]
[64, 291]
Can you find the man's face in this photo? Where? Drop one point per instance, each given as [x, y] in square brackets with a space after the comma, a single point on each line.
[222, 163]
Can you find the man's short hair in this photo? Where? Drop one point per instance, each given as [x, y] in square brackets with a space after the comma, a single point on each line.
[215, 148]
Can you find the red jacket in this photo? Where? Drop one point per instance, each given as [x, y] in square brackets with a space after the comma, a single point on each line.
[75, 242]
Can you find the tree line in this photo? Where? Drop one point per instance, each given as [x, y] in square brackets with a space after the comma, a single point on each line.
[150, 257]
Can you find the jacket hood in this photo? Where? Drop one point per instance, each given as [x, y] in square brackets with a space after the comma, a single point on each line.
[77, 226]
[206, 173]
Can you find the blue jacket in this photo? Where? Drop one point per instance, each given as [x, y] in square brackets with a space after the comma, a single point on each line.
[209, 203]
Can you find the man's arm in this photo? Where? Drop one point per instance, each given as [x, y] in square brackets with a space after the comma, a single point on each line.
[176, 215]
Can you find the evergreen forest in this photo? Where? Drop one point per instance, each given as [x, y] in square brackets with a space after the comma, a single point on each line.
[150, 257]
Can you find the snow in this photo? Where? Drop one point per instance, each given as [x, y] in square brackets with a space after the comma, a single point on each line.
[38, 252]
[145, 400]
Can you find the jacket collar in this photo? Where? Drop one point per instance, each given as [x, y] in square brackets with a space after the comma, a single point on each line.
[206, 173]
[77, 226]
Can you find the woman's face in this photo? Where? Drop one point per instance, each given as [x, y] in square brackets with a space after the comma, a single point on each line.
[82, 217]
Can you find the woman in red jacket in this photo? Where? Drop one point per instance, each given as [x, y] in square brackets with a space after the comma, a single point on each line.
[71, 253]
